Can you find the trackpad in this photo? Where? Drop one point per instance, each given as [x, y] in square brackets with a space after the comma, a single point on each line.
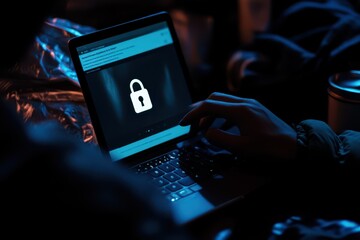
[191, 207]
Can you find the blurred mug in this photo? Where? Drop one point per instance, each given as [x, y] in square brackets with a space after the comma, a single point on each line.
[344, 101]
[253, 16]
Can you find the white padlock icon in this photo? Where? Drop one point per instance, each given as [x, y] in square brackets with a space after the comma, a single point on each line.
[140, 98]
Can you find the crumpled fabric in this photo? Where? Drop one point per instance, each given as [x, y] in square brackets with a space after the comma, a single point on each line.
[297, 228]
[293, 59]
[49, 57]
[44, 86]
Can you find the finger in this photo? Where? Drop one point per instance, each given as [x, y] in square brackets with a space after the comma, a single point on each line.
[232, 142]
[226, 97]
[206, 108]
[192, 106]
[206, 122]
[226, 125]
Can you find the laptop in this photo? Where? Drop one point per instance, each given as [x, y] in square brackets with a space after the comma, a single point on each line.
[137, 87]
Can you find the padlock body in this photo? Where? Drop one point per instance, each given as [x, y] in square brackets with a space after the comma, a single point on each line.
[145, 104]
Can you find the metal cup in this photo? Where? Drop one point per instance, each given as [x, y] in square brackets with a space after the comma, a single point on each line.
[344, 101]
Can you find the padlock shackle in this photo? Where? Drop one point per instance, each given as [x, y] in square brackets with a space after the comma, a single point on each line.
[135, 81]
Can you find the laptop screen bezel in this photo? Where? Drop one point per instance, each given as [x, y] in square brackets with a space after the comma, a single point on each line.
[76, 42]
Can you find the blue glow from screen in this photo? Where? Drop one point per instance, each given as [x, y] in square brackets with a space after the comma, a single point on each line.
[148, 142]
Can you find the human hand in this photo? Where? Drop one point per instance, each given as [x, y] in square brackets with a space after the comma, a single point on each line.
[261, 131]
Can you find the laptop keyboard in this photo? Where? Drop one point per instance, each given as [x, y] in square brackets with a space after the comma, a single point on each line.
[176, 172]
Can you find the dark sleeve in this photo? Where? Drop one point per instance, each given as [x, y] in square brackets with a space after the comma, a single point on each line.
[319, 145]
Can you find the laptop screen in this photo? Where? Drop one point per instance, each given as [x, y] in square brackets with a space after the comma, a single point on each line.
[138, 88]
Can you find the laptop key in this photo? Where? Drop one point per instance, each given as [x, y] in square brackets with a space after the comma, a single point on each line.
[184, 192]
[180, 173]
[155, 172]
[173, 197]
[196, 187]
[167, 168]
[173, 187]
[160, 182]
[175, 163]
[164, 191]
[187, 181]
[141, 168]
[171, 177]
[174, 154]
